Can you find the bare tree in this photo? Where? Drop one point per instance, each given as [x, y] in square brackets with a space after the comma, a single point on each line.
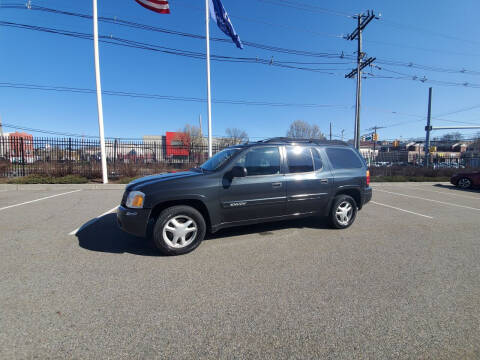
[454, 136]
[236, 136]
[475, 145]
[304, 130]
[191, 135]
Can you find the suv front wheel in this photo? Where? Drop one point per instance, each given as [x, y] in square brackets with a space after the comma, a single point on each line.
[178, 230]
[343, 212]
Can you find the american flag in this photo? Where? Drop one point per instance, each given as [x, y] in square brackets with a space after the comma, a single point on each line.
[159, 6]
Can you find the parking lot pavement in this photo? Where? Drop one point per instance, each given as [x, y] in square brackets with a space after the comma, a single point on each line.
[9, 199]
[395, 284]
[450, 208]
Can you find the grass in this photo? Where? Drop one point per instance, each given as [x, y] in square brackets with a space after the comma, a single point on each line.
[401, 178]
[126, 180]
[39, 179]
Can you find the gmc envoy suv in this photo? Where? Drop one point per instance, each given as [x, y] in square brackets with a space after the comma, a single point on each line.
[269, 180]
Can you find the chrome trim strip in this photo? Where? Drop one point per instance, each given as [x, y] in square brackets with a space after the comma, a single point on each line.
[306, 195]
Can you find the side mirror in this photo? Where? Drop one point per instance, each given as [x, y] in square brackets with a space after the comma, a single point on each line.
[239, 171]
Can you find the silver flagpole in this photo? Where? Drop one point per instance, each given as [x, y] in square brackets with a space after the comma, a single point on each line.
[99, 93]
[209, 99]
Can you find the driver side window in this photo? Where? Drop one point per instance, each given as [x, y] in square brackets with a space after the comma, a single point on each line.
[263, 160]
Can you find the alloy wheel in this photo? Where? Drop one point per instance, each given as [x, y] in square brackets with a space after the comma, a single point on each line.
[179, 231]
[344, 213]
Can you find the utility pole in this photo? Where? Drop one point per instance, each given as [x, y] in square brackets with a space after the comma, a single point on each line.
[362, 22]
[428, 128]
[200, 124]
[330, 131]
[343, 130]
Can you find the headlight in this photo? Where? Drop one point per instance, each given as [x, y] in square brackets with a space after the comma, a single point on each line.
[135, 200]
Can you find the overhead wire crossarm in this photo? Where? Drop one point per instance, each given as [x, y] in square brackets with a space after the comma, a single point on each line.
[363, 65]
[364, 21]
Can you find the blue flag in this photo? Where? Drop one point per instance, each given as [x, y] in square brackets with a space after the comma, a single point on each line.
[220, 16]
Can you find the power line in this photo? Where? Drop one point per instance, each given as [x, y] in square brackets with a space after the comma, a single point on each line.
[426, 31]
[54, 88]
[193, 99]
[172, 51]
[268, 23]
[49, 132]
[341, 56]
[440, 51]
[422, 79]
[135, 25]
[413, 65]
[468, 108]
[165, 97]
[306, 7]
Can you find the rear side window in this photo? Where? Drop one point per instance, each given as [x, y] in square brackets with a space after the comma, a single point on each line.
[342, 158]
[299, 159]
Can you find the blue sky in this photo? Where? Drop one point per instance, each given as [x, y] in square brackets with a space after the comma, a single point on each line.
[433, 33]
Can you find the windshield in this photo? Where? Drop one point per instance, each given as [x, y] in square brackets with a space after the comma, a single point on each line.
[219, 159]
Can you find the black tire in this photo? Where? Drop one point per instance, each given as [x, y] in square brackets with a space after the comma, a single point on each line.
[464, 183]
[177, 212]
[339, 201]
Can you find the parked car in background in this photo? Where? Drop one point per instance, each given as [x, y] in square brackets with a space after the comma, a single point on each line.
[269, 180]
[466, 180]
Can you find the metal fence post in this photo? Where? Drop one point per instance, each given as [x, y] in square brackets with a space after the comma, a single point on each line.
[23, 156]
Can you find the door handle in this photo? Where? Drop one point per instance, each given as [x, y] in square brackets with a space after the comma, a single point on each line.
[324, 181]
[277, 184]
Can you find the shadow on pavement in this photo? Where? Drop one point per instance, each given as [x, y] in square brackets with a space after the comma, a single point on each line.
[266, 229]
[104, 235]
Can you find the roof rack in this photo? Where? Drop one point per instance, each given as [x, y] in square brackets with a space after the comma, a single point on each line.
[287, 140]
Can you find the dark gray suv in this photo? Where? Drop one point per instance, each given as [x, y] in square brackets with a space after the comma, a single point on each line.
[269, 180]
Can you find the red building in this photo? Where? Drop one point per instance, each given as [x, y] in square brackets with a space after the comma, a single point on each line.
[20, 147]
[177, 144]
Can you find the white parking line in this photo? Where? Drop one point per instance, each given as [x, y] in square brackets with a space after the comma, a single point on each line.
[396, 208]
[74, 232]
[443, 192]
[32, 201]
[421, 198]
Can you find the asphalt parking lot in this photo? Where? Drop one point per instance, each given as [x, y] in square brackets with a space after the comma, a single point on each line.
[402, 282]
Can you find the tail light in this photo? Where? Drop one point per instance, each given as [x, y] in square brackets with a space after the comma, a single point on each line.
[368, 177]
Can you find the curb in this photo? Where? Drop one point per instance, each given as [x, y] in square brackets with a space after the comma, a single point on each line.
[27, 187]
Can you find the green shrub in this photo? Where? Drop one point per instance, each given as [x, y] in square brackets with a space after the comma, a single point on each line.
[127, 179]
[39, 179]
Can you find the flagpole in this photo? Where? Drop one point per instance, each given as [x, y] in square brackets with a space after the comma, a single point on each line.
[209, 99]
[99, 93]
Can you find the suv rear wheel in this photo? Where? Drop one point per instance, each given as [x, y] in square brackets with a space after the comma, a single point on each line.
[343, 212]
[178, 230]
